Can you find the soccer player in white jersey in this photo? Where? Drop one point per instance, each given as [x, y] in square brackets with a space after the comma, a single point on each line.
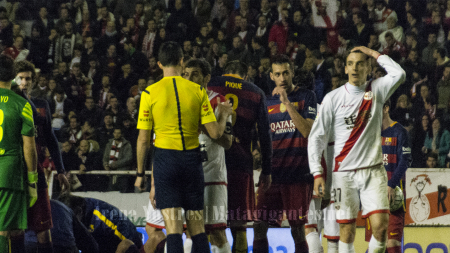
[354, 113]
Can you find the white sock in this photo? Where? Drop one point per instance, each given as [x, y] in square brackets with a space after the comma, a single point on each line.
[165, 247]
[333, 246]
[346, 247]
[226, 248]
[313, 241]
[187, 245]
[375, 246]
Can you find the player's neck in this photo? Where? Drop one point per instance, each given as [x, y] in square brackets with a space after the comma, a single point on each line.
[357, 84]
[387, 122]
[5, 85]
[172, 71]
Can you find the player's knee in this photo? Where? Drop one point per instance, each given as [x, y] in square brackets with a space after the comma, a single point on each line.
[125, 245]
[218, 237]
[347, 232]
[194, 222]
[380, 223]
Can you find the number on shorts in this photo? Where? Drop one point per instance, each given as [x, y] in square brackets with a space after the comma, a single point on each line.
[336, 193]
[2, 116]
[234, 100]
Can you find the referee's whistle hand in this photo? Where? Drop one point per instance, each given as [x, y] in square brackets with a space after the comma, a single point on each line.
[319, 187]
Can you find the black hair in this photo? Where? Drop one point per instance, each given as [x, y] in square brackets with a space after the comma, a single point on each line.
[7, 72]
[304, 78]
[317, 54]
[282, 59]
[432, 155]
[76, 203]
[351, 52]
[23, 66]
[387, 103]
[170, 54]
[201, 64]
[236, 67]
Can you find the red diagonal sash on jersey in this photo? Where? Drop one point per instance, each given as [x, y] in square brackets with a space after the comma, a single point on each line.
[360, 125]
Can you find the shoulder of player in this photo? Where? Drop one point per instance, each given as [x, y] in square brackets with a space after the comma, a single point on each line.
[39, 102]
[16, 97]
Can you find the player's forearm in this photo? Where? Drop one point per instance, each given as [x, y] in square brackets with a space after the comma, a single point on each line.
[393, 69]
[30, 154]
[302, 125]
[141, 151]
[316, 146]
[53, 148]
[265, 142]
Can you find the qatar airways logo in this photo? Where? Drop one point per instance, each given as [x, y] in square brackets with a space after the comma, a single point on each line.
[282, 127]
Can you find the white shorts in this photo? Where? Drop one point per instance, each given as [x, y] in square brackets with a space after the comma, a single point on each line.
[330, 226]
[314, 214]
[216, 206]
[155, 219]
[370, 184]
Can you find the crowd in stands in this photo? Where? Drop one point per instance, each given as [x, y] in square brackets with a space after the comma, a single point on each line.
[97, 56]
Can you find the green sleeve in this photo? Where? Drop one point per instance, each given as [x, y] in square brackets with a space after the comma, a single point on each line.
[27, 121]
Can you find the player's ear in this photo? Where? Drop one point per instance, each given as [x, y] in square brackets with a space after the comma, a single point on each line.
[346, 70]
[160, 65]
[206, 79]
[271, 76]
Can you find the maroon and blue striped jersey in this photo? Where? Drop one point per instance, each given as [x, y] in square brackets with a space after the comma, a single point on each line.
[249, 111]
[396, 153]
[290, 157]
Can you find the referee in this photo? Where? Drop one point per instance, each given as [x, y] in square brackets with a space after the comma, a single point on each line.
[175, 109]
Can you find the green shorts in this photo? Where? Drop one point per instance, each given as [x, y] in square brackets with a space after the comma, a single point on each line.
[13, 209]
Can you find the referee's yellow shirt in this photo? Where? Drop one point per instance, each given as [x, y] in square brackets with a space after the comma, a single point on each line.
[174, 107]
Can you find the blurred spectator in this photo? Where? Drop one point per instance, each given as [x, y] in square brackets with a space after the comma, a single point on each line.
[441, 61]
[218, 69]
[60, 106]
[181, 23]
[118, 156]
[137, 60]
[201, 10]
[148, 39]
[374, 44]
[443, 89]
[69, 156]
[101, 94]
[428, 51]
[324, 16]
[71, 131]
[432, 160]
[130, 32]
[6, 32]
[336, 82]
[401, 113]
[90, 112]
[67, 42]
[322, 83]
[131, 111]
[361, 31]
[419, 102]
[394, 48]
[17, 51]
[105, 132]
[419, 133]
[87, 52]
[245, 12]
[394, 29]
[114, 109]
[104, 17]
[90, 159]
[39, 48]
[239, 52]
[382, 13]
[111, 62]
[44, 22]
[109, 38]
[279, 33]
[438, 142]
[262, 31]
[88, 132]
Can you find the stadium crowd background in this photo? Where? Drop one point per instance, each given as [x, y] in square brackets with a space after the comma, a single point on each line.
[96, 57]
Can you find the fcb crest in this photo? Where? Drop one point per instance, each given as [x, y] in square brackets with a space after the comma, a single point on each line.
[368, 95]
[388, 141]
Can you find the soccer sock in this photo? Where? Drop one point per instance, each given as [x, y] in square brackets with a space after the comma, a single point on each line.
[396, 249]
[200, 243]
[301, 247]
[226, 248]
[240, 240]
[346, 247]
[160, 247]
[187, 245]
[375, 246]
[333, 246]
[4, 244]
[174, 243]
[261, 246]
[18, 243]
[314, 245]
[45, 248]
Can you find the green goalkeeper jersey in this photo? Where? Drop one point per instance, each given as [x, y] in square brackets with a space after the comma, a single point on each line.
[16, 119]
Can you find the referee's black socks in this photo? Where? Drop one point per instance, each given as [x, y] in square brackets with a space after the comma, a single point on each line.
[200, 243]
[174, 243]
[18, 243]
[45, 247]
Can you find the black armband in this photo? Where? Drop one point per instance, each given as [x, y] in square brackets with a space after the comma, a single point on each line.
[140, 174]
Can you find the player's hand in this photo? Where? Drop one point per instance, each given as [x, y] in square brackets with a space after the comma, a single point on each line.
[82, 168]
[282, 93]
[367, 51]
[139, 182]
[63, 182]
[32, 188]
[391, 194]
[264, 183]
[319, 187]
[225, 108]
[152, 197]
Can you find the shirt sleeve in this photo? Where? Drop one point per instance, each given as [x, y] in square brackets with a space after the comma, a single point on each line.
[311, 106]
[206, 112]
[389, 83]
[52, 141]
[27, 121]
[145, 119]
[319, 135]
[404, 158]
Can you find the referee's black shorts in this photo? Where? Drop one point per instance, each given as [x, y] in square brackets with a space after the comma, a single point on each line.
[179, 180]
